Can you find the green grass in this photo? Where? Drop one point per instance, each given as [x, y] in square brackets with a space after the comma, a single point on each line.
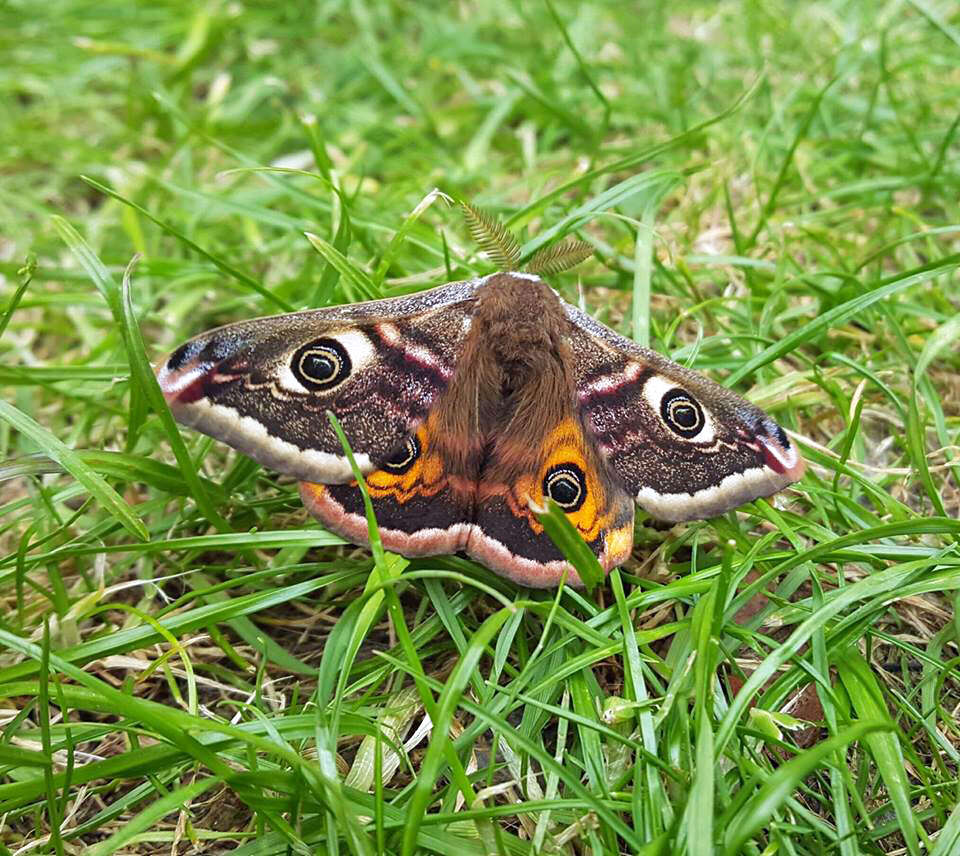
[189, 664]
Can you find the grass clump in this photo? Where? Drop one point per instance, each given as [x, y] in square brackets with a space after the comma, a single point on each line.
[190, 665]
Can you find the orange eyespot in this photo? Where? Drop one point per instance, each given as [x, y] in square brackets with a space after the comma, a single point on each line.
[569, 480]
[405, 457]
[411, 471]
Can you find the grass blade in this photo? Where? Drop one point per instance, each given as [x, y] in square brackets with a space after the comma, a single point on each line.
[219, 263]
[869, 704]
[65, 457]
[121, 306]
[154, 812]
[777, 789]
[349, 272]
[841, 313]
[651, 187]
[569, 542]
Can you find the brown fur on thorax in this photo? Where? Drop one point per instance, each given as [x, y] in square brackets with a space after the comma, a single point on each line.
[513, 384]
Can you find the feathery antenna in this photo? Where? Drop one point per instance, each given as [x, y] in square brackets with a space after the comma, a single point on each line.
[492, 237]
[503, 248]
[560, 257]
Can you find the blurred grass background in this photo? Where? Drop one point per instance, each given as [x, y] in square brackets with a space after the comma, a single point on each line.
[190, 665]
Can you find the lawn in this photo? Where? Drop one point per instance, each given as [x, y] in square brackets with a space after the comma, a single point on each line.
[190, 664]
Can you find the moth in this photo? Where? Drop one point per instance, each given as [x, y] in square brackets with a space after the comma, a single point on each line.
[467, 406]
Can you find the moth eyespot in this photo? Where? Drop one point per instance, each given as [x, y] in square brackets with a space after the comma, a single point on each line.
[321, 365]
[404, 457]
[566, 485]
[682, 413]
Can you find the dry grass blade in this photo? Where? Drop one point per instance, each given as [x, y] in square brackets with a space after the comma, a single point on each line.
[492, 237]
[559, 257]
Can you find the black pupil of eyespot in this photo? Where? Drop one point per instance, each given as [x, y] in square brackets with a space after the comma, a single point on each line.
[681, 413]
[319, 365]
[564, 490]
[684, 415]
[404, 457]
